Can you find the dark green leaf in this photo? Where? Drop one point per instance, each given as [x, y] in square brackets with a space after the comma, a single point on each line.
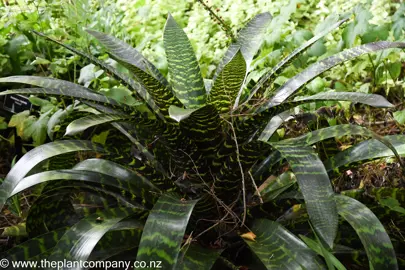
[86, 122]
[278, 248]
[164, 230]
[316, 69]
[371, 232]
[34, 157]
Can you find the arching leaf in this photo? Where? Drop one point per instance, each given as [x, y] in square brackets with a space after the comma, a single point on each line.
[315, 186]
[277, 248]
[316, 69]
[127, 54]
[140, 90]
[366, 150]
[86, 122]
[37, 155]
[164, 230]
[265, 81]
[78, 242]
[371, 232]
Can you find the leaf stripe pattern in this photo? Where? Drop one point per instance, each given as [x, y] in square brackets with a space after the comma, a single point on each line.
[144, 71]
[140, 90]
[128, 54]
[376, 242]
[316, 69]
[186, 79]
[315, 186]
[265, 81]
[277, 248]
[228, 83]
[37, 155]
[164, 230]
[86, 122]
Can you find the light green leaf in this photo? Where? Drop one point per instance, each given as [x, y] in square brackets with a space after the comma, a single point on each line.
[399, 116]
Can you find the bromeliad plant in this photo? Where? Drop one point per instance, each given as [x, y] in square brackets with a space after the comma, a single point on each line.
[190, 191]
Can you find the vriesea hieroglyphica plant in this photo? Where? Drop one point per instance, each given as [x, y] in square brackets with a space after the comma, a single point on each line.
[191, 192]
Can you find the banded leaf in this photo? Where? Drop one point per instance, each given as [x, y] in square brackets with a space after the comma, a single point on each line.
[139, 89]
[228, 83]
[316, 69]
[164, 230]
[144, 71]
[196, 257]
[36, 156]
[33, 247]
[249, 40]
[79, 241]
[265, 81]
[86, 122]
[371, 232]
[140, 188]
[127, 54]
[315, 186]
[367, 150]
[277, 248]
[186, 79]
[140, 183]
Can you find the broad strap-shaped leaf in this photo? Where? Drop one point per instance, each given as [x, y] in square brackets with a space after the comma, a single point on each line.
[33, 247]
[368, 99]
[164, 230]
[279, 119]
[128, 54]
[141, 184]
[249, 40]
[316, 69]
[366, 150]
[185, 73]
[78, 242]
[143, 71]
[265, 81]
[277, 248]
[86, 122]
[315, 186]
[139, 88]
[228, 83]
[193, 256]
[58, 87]
[36, 156]
[371, 232]
[140, 187]
[342, 130]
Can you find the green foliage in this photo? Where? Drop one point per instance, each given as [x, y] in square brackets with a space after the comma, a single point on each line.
[184, 175]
